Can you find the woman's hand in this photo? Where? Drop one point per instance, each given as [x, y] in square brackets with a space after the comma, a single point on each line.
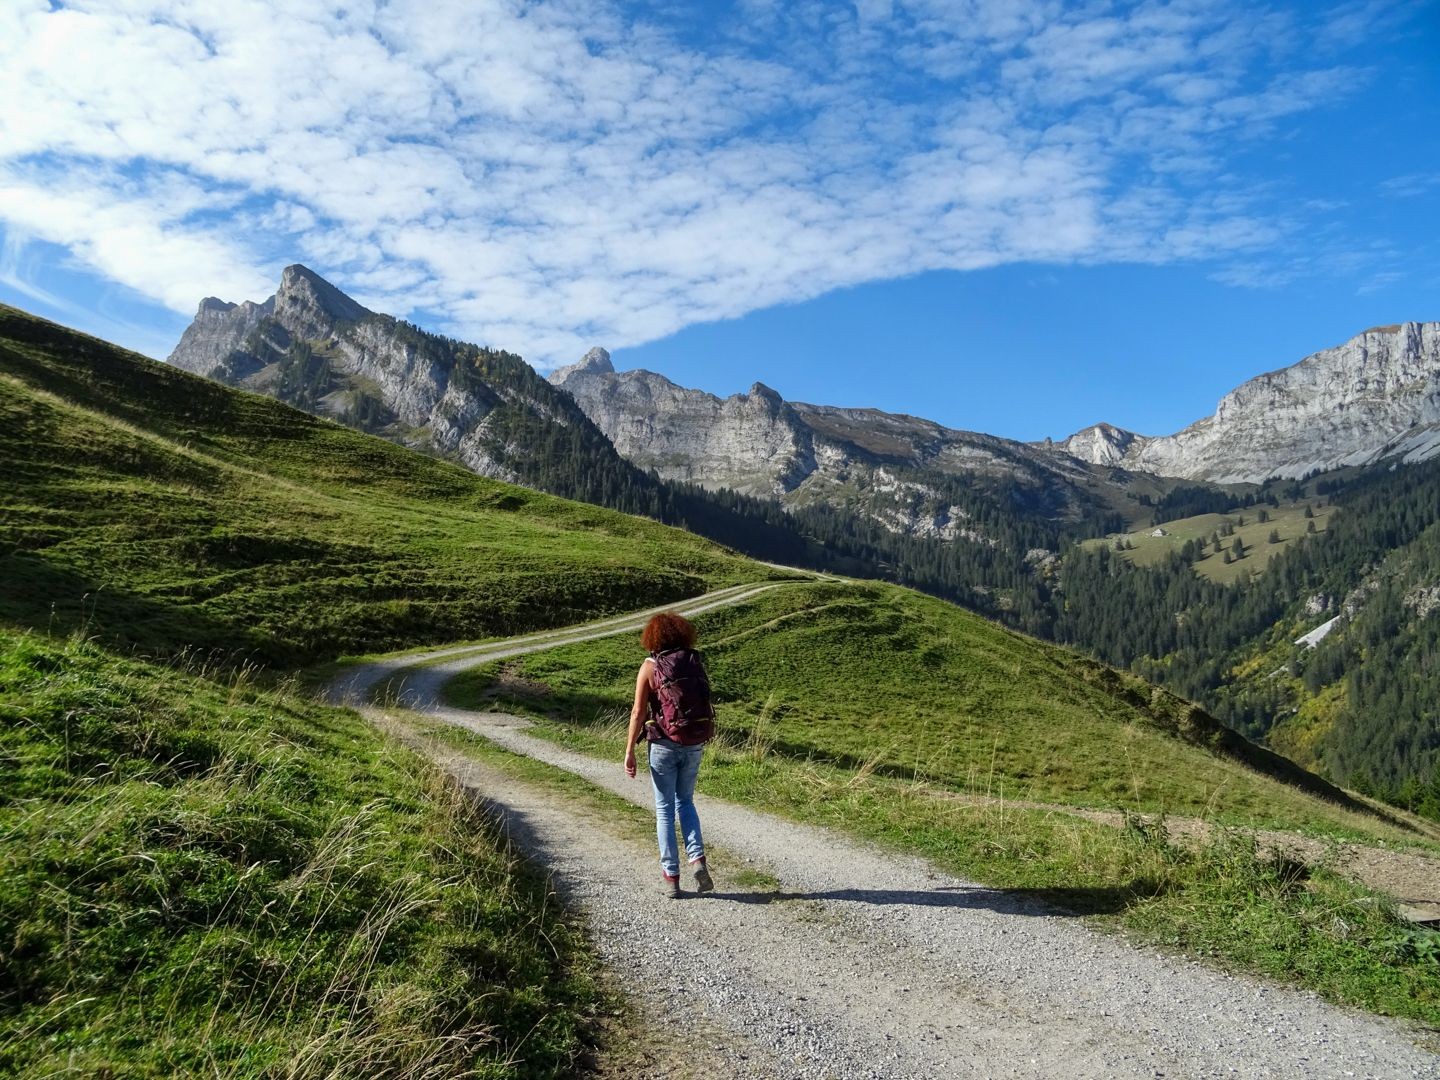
[630, 762]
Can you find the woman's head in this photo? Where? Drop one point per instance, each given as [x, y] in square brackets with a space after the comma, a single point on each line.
[667, 631]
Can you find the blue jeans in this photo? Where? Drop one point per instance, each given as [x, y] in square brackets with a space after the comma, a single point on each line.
[673, 770]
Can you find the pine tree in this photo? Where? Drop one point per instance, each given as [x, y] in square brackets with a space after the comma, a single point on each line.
[1274, 536]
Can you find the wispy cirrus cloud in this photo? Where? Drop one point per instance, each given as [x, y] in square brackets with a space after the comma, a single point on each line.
[1411, 185]
[544, 175]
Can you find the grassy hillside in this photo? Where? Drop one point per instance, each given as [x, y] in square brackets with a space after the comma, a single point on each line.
[168, 511]
[200, 872]
[201, 877]
[908, 722]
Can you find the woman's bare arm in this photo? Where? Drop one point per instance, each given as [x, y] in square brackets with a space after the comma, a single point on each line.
[637, 715]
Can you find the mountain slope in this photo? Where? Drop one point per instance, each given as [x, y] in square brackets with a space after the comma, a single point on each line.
[165, 509]
[317, 349]
[171, 511]
[1359, 701]
[1376, 397]
[313, 347]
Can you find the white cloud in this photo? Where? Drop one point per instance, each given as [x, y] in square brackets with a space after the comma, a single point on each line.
[541, 176]
[1411, 185]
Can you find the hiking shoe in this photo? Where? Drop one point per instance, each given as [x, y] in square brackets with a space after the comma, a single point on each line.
[703, 881]
[670, 886]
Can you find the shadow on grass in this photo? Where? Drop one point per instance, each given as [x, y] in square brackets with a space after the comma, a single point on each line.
[51, 597]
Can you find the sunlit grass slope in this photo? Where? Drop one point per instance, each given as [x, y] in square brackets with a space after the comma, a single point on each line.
[199, 877]
[881, 679]
[163, 509]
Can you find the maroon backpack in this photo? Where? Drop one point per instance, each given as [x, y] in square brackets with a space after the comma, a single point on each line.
[682, 693]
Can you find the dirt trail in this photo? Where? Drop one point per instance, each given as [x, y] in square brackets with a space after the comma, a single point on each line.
[865, 964]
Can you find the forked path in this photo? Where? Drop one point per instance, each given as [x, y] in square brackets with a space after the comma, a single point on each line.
[864, 963]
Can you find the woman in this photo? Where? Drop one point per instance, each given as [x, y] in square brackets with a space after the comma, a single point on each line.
[672, 711]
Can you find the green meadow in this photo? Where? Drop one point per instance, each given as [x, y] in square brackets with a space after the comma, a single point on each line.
[202, 871]
[1288, 522]
[881, 679]
[201, 875]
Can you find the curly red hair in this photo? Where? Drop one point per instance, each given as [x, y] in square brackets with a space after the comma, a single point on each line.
[667, 631]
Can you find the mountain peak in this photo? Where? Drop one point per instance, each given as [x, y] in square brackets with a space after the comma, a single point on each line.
[1100, 444]
[760, 390]
[594, 362]
[301, 287]
[597, 361]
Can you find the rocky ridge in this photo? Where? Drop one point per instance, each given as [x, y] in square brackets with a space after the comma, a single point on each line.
[896, 469]
[1374, 398]
[753, 443]
[315, 347]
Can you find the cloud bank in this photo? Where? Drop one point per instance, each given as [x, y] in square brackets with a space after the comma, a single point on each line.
[542, 176]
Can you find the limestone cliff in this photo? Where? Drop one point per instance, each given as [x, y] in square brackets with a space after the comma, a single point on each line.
[1376, 397]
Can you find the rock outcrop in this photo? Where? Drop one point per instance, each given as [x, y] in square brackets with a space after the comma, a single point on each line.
[1102, 444]
[1376, 397]
[753, 443]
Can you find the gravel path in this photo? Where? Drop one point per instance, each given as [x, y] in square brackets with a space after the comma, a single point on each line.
[868, 964]
[414, 679]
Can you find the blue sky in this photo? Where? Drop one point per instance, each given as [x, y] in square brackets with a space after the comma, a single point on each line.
[1019, 217]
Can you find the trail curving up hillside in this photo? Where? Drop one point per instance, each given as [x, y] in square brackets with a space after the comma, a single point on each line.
[864, 963]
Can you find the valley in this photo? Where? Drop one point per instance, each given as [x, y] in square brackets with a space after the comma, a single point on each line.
[179, 554]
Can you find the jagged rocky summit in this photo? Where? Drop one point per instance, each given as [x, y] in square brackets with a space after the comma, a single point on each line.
[1374, 398]
[751, 443]
[318, 349]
